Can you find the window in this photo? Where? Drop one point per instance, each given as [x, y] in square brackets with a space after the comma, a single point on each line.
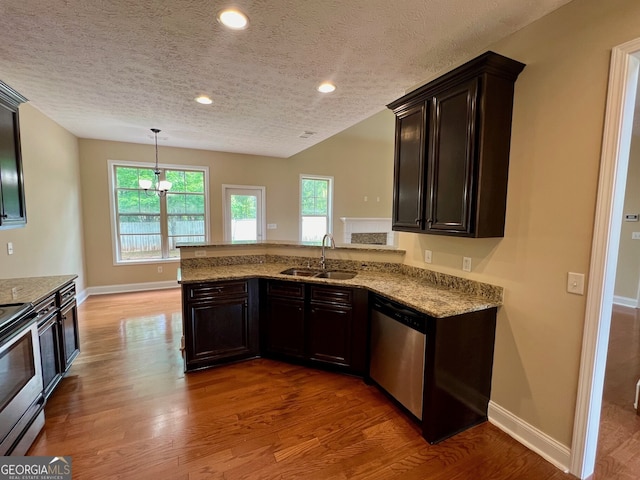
[148, 227]
[316, 199]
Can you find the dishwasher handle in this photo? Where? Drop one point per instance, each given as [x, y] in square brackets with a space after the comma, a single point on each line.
[410, 318]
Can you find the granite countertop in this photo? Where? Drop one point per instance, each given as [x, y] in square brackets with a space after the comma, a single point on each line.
[292, 244]
[434, 300]
[31, 289]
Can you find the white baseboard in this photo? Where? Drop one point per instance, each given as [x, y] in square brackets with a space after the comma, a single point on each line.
[82, 296]
[131, 287]
[625, 301]
[541, 443]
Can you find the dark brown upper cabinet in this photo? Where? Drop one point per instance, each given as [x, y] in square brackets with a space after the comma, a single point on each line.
[12, 207]
[452, 150]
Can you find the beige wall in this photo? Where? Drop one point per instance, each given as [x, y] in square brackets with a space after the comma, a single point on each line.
[361, 161]
[359, 166]
[628, 270]
[51, 242]
[555, 156]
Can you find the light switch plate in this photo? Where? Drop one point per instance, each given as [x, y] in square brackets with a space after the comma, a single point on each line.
[9, 248]
[427, 256]
[635, 235]
[466, 264]
[575, 283]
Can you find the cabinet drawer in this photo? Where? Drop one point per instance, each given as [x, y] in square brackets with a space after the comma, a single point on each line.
[67, 294]
[286, 289]
[331, 295]
[46, 308]
[202, 291]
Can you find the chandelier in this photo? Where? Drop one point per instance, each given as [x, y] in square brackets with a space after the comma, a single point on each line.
[161, 187]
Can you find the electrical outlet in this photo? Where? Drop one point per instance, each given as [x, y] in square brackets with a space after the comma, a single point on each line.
[9, 248]
[272, 226]
[160, 269]
[635, 235]
[427, 256]
[466, 264]
[200, 253]
[575, 283]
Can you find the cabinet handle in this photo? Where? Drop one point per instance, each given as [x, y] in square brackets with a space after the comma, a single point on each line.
[4, 215]
[45, 312]
[417, 221]
[64, 318]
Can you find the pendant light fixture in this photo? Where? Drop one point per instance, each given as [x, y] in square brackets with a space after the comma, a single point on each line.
[161, 186]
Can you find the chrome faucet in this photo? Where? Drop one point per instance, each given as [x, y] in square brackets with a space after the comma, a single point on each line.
[332, 244]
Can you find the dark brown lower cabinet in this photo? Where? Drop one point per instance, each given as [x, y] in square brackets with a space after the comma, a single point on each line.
[52, 369]
[285, 327]
[219, 322]
[58, 335]
[69, 329]
[458, 370]
[320, 325]
[337, 324]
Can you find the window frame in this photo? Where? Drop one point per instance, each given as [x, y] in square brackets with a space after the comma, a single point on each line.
[329, 201]
[111, 175]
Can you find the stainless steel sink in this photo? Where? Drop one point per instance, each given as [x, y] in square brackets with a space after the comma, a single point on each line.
[336, 275]
[309, 272]
[301, 272]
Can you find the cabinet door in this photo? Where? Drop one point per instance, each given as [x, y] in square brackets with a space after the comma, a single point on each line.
[329, 333]
[52, 367]
[70, 337]
[285, 326]
[12, 207]
[217, 331]
[451, 160]
[409, 174]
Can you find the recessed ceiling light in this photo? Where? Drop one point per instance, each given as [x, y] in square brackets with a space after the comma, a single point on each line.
[204, 100]
[326, 87]
[233, 18]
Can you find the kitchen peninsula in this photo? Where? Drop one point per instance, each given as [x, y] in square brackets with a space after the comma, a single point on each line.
[239, 303]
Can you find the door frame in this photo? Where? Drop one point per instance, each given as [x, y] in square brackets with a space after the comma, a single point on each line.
[618, 126]
[226, 233]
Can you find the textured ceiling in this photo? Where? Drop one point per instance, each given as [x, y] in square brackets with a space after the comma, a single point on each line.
[112, 69]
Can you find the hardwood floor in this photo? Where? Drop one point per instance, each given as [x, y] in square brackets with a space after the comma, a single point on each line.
[126, 410]
[618, 456]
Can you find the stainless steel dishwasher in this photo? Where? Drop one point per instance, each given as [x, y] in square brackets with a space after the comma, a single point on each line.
[398, 352]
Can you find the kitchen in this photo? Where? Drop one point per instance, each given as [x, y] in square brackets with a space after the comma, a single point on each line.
[556, 133]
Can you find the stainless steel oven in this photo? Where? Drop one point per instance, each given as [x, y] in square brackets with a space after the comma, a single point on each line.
[21, 399]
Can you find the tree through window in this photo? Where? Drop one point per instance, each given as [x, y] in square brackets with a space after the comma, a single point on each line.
[315, 207]
[149, 227]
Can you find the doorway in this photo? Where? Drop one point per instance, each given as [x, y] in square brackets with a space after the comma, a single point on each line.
[618, 126]
[244, 213]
